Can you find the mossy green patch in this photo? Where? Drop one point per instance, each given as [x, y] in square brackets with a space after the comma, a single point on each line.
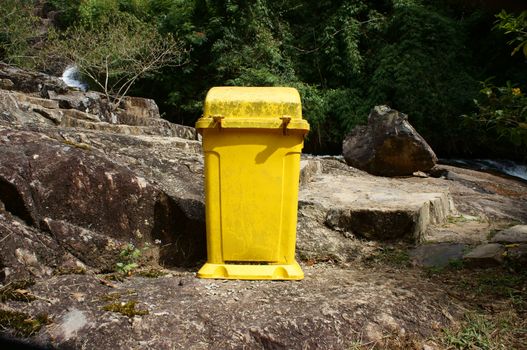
[70, 271]
[150, 273]
[21, 324]
[126, 308]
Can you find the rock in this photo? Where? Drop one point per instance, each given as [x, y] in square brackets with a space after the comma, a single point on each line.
[30, 82]
[329, 309]
[26, 253]
[70, 324]
[517, 253]
[29, 102]
[485, 255]
[486, 195]
[13, 111]
[69, 189]
[51, 102]
[308, 170]
[6, 84]
[378, 209]
[140, 107]
[97, 251]
[69, 114]
[420, 174]
[515, 234]
[437, 255]
[89, 102]
[388, 145]
[317, 242]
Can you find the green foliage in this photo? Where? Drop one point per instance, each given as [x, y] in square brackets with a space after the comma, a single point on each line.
[503, 111]
[515, 25]
[130, 258]
[421, 69]
[18, 31]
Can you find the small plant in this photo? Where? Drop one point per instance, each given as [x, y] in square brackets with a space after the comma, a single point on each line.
[130, 259]
[456, 264]
[461, 219]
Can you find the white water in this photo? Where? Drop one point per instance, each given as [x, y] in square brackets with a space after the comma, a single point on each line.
[72, 77]
[508, 167]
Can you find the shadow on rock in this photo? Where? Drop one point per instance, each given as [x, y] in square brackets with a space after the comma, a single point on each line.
[180, 226]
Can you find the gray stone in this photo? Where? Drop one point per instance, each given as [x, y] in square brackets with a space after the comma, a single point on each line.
[76, 114]
[6, 84]
[309, 169]
[29, 81]
[515, 234]
[29, 101]
[388, 145]
[329, 309]
[517, 252]
[69, 325]
[438, 254]
[485, 255]
[378, 208]
[140, 107]
[25, 252]
[68, 189]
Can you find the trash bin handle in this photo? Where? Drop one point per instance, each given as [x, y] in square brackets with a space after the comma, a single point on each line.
[217, 119]
[285, 121]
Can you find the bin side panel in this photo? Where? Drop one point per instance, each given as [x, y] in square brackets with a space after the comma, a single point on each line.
[213, 207]
[254, 214]
[291, 175]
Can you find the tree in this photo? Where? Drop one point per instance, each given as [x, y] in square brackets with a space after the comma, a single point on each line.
[115, 52]
[18, 28]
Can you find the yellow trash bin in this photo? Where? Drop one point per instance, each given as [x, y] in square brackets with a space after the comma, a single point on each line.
[252, 140]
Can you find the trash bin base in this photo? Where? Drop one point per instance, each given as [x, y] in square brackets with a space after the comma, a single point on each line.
[252, 272]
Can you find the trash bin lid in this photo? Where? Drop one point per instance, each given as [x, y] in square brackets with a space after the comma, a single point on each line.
[253, 108]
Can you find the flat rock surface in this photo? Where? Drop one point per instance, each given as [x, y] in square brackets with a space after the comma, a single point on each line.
[371, 192]
[438, 254]
[330, 308]
[485, 255]
[378, 207]
[515, 234]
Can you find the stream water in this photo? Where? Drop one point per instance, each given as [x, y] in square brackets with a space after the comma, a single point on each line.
[72, 77]
[503, 166]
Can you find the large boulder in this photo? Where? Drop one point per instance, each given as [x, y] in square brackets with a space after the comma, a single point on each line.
[90, 205]
[388, 145]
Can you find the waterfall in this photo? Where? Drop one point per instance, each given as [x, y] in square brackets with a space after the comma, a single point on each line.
[72, 77]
